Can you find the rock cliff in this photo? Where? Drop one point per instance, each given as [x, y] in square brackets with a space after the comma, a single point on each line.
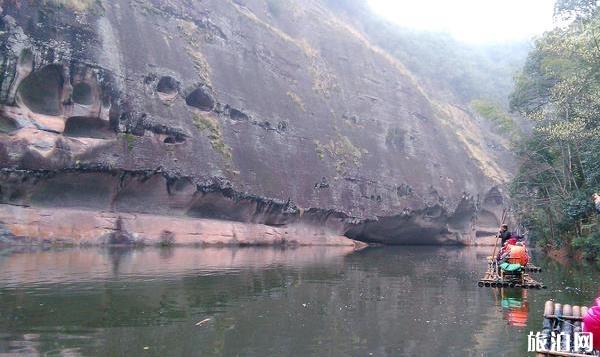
[270, 112]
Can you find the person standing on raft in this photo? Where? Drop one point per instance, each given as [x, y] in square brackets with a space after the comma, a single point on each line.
[504, 233]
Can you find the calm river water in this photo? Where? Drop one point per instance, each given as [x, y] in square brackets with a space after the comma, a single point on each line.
[392, 301]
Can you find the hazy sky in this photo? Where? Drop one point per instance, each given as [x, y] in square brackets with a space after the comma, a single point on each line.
[471, 20]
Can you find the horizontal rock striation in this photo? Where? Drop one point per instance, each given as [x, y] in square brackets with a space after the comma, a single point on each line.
[41, 202]
[66, 226]
[235, 111]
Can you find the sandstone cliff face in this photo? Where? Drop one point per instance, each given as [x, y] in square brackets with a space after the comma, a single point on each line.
[271, 112]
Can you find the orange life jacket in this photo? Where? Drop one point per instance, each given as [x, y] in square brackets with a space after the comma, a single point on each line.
[518, 254]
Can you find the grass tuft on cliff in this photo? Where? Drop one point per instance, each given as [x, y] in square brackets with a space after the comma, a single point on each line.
[297, 100]
[343, 152]
[190, 33]
[212, 129]
[495, 114]
[76, 5]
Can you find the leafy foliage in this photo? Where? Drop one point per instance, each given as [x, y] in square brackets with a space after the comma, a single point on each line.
[212, 129]
[494, 113]
[559, 91]
[574, 9]
[78, 5]
[590, 245]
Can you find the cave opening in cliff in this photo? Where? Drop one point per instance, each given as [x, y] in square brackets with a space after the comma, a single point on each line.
[88, 127]
[236, 114]
[201, 99]
[167, 85]
[220, 210]
[174, 139]
[486, 218]
[41, 91]
[82, 94]
[410, 236]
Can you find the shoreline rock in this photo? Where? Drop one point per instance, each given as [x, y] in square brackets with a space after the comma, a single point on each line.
[167, 194]
[63, 226]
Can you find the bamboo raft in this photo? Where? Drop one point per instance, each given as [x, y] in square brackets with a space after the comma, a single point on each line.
[508, 280]
[567, 319]
[526, 282]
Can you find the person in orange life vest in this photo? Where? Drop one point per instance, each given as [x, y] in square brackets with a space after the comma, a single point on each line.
[517, 253]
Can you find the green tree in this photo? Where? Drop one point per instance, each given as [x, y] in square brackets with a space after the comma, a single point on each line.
[559, 91]
[569, 10]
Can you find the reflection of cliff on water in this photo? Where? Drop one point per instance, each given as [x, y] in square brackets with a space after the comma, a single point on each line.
[136, 287]
[78, 265]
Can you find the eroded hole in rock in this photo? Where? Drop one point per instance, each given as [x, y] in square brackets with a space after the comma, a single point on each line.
[282, 126]
[41, 91]
[82, 94]
[487, 219]
[236, 114]
[176, 139]
[266, 125]
[179, 185]
[402, 229]
[88, 127]
[167, 85]
[91, 190]
[8, 125]
[404, 190]
[493, 198]
[200, 98]
[215, 205]
[150, 78]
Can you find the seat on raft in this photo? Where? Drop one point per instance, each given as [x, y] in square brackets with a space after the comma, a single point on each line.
[509, 267]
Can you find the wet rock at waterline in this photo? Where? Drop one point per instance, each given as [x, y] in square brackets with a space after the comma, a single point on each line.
[296, 107]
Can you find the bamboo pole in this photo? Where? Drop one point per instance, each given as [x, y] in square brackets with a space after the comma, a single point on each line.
[567, 327]
[498, 234]
[564, 317]
[495, 262]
